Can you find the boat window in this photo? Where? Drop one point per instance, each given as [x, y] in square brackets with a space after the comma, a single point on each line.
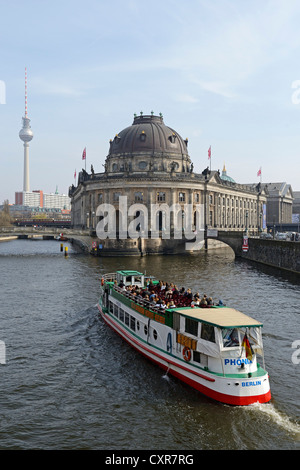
[111, 307]
[196, 356]
[201, 358]
[126, 318]
[191, 326]
[208, 332]
[116, 311]
[132, 323]
[155, 334]
[146, 330]
[121, 314]
[230, 337]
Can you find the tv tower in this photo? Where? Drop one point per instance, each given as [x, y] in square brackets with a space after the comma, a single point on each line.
[26, 135]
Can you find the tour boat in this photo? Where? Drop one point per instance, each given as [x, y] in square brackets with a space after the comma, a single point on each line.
[212, 348]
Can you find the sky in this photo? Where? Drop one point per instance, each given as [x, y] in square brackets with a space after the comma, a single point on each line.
[224, 73]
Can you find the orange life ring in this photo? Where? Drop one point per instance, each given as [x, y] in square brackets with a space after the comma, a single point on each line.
[186, 353]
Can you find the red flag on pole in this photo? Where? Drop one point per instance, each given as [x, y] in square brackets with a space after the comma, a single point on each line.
[75, 174]
[84, 154]
[209, 153]
[259, 172]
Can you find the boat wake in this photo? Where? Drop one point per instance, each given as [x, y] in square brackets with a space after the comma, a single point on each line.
[280, 419]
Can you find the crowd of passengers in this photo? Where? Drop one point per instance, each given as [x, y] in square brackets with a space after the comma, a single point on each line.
[164, 295]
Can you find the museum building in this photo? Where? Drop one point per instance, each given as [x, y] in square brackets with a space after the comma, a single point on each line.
[148, 164]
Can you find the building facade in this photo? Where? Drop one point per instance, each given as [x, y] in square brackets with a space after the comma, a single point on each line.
[148, 167]
[280, 203]
[41, 200]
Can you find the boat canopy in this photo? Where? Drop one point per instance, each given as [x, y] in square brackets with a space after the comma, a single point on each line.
[221, 317]
[130, 278]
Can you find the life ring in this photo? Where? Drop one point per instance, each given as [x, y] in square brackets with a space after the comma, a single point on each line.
[102, 282]
[186, 353]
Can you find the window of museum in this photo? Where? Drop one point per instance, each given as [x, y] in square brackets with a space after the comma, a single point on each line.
[138, 196]
[142, 165]
[161, 197]
[181, 197]
[197, 197]
[100, 198]
[116, 196]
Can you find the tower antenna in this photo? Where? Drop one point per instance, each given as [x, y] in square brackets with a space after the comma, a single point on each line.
[25, 92]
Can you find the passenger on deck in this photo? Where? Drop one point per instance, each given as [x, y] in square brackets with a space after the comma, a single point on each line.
[188, 294]
[169, 293]
[152, 295]
[175, 290]
[210, 301]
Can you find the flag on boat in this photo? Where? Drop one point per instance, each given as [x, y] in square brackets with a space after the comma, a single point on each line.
[248, 349]
[84, 154]
[209, 152]
[259, 172]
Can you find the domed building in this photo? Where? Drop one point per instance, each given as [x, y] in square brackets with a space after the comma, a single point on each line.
[147, 183]
[148, 145]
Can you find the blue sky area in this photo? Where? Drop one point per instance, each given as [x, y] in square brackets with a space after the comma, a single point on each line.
[223, 73]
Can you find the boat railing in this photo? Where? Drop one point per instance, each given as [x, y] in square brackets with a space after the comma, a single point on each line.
[139, 300]
[109, 277]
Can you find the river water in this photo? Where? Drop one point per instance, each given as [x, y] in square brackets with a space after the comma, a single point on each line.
[69, 382]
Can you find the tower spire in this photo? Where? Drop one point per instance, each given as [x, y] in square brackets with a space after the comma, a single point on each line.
[25, 92]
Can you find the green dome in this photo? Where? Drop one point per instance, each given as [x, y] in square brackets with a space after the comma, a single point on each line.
[225, 177]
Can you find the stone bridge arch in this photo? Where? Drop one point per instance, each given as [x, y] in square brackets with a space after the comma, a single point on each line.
[234, 239]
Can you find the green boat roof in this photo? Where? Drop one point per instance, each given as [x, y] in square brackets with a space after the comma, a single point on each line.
[222, 317]
[130, 273]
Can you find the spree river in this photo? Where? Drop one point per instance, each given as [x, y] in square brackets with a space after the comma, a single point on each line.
[69, 382]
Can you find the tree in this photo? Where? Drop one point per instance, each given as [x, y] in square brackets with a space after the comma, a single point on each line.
[5, 218]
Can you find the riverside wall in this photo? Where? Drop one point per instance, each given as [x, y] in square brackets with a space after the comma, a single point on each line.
[277, 253]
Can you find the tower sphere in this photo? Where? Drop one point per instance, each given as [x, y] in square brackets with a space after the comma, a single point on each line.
[26, 133]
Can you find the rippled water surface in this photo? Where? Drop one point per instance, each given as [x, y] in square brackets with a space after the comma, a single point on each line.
[69, 382]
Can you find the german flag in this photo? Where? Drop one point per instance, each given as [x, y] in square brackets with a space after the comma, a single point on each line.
[246, 344]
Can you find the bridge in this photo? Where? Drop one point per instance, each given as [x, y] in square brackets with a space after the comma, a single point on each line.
[277, 253]
[87, 238]
[83, 238]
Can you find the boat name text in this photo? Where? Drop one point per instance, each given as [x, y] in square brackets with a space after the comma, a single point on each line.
[251, 384]
[237, 362]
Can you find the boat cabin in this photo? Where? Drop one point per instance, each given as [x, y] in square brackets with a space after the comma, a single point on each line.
[130, 278]
[219, 332]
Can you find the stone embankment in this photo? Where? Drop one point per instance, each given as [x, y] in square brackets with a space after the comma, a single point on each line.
[278, 253]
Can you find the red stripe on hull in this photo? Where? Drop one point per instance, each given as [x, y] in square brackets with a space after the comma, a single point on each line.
[224, 398]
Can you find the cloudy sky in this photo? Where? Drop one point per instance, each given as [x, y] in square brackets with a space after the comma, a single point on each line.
[224, 73]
